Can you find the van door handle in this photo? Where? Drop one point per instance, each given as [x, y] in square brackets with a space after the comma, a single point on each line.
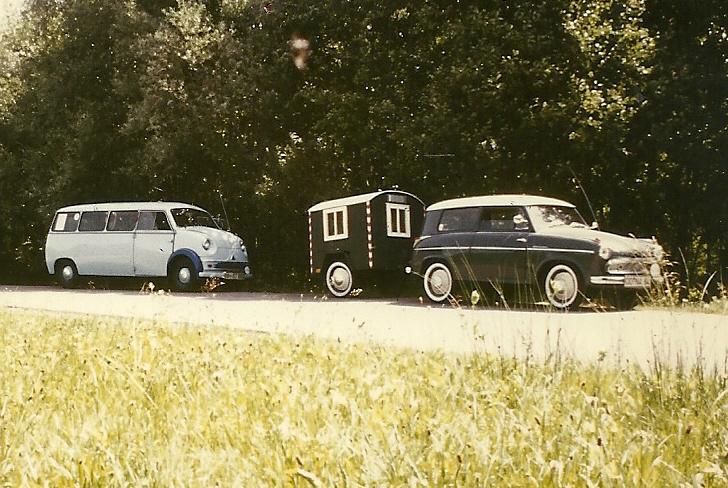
[522, 239]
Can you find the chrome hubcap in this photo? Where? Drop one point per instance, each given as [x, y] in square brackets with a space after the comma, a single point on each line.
[339, 279]
[67, 273]
[184, 275]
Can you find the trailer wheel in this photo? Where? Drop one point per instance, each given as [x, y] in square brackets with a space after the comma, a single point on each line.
[339, 279]
[437, 282]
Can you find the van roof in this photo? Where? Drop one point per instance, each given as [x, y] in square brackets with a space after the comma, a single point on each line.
[356, 199]
[89, 207]
[498, 200]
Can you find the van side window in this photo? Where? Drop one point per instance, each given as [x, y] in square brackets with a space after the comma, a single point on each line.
[122, 221]
[92, 221]
[153, 221]
[66, 222]
[459, 220]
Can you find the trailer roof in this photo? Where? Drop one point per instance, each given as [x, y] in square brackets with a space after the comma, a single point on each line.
[498, 200]
[356, 199]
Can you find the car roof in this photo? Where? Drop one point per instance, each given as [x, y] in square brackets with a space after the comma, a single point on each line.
[498, 201]
[356, 199]
[89, 207]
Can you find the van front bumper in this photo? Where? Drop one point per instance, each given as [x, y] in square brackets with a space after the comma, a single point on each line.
[226, 270]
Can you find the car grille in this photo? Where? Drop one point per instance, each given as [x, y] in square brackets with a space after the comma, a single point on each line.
[625, 266]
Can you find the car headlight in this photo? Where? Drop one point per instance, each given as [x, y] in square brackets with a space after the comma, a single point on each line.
[605, 253]
[206, 244]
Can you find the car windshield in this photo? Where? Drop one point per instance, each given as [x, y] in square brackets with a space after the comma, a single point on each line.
[544, 216]
[190, 217]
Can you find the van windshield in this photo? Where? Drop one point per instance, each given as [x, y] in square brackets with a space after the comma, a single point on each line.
[190, 217]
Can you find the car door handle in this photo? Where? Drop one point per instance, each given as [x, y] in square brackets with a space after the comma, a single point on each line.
[521, 239]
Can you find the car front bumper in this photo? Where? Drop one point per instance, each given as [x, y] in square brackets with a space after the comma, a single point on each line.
[627, 281]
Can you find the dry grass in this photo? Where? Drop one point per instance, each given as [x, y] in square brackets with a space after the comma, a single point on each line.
[99, 403]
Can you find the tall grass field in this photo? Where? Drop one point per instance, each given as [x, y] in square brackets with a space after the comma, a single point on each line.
[94, 402]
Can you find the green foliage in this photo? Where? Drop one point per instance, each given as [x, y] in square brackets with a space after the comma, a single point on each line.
[98, 403]
[278, 105]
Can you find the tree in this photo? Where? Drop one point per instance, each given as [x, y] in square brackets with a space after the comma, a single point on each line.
[680, 137]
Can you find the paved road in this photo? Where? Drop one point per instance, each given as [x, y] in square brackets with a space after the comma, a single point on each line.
[641, 337]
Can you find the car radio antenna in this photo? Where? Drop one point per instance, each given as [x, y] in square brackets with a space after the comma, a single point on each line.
[222, 202]
[583, 192]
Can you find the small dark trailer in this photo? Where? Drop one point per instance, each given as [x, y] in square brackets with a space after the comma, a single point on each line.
[369, 234]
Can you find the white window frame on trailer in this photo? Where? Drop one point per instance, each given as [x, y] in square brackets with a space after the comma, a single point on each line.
[393, 225]
[341, 226]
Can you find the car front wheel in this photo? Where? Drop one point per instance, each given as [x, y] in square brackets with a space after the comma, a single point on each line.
[438, 282]
[561, 286]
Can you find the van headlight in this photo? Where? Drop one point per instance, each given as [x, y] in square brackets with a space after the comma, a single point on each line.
[605, 253]
[206, 244]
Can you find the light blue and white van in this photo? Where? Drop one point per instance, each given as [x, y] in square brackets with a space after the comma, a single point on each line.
[143, 239]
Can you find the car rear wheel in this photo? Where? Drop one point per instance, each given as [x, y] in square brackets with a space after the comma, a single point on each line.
[66, 273]
[561, 286]
[183, 275]
[339, 279]
[438, 282]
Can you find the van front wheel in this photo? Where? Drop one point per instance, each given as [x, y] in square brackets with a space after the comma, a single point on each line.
[66, 273]
[183, 275]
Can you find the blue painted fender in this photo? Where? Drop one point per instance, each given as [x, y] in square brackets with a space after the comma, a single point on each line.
[190, 254]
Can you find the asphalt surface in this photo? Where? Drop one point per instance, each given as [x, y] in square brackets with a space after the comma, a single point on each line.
[647, 338]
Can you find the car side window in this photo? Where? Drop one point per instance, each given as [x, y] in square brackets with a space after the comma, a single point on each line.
[459, 220]
[503, 219]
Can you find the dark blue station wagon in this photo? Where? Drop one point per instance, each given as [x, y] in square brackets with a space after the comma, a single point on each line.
[532, 242]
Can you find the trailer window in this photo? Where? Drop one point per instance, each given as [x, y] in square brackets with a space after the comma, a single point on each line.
[398, 220]
[92, 221]
[336, 224]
